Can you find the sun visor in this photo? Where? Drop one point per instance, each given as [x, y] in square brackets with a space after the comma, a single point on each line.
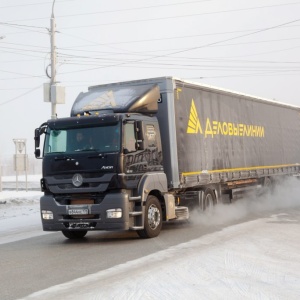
[147, 103]
[118, 99]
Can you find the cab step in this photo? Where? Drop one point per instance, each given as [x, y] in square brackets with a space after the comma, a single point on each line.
[135, 213]
[182, 212]
[136, 228]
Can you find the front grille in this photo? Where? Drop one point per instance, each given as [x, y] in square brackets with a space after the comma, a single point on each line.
[84, 175]
[68, 186]
[77, 199]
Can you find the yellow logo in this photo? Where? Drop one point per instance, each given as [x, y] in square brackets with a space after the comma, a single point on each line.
[215, 127]
[194, 125]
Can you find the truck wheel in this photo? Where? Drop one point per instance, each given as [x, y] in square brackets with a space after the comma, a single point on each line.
[267, 187]
[209, 199]
[152, 220]
[74, 234]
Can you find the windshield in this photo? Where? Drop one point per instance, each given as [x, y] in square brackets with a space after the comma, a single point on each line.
[72, 140]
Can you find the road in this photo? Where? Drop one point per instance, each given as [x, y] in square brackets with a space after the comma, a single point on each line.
[33, 264]
[36, 263]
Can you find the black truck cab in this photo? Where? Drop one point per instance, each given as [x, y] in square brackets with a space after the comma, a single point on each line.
[102, 163]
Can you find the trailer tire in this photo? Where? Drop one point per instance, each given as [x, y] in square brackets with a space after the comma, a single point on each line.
[268, 184]
[72, 235]
[152, 219]
[209, 199]
[267, 187]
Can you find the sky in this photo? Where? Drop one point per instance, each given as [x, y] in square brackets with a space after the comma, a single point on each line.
[250, 47]
[258, 259]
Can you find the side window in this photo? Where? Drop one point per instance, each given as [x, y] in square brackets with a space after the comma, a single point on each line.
[130, 140]
[57, 141]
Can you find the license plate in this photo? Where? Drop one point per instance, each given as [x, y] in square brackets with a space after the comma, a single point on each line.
[79, 225]
[78, 210]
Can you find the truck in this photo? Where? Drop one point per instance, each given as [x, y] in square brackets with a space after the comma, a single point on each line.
[135, 154]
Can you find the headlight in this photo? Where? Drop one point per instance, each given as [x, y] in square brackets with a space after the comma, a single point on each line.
[47, 215]
[114, 213]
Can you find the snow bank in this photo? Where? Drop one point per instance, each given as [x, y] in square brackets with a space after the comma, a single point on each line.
[19, 215]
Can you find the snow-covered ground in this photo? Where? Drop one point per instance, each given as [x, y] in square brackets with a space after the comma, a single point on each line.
[259, 259]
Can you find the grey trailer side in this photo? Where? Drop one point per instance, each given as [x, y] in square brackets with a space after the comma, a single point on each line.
[223, 136]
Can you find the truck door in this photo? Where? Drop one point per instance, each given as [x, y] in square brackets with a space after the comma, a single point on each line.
[152, 144]
[142, 147]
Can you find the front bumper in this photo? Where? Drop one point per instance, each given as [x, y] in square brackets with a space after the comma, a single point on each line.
[97, 214]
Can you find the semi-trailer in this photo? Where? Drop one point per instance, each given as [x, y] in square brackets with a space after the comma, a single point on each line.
[135, 154]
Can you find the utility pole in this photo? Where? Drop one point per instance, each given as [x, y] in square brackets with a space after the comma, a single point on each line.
[52, 91]
[53, 63]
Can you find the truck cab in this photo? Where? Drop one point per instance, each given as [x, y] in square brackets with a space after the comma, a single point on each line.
[103, 166]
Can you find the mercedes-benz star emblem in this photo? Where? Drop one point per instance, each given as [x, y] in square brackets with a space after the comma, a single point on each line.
[77, 180]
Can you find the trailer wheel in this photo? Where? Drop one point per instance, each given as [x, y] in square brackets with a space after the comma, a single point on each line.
[267, 187]
[152, 220]
[74, 234]
[209, 199]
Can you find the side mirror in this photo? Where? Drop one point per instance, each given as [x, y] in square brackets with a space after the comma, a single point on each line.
[37, 153]
[37, 137]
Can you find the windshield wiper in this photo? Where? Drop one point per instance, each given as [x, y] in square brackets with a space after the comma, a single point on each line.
[85, 150]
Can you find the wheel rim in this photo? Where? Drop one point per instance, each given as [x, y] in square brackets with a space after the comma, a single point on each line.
[153, 217]
[209, 201]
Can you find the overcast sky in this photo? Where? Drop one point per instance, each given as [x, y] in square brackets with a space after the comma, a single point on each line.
[246, 46]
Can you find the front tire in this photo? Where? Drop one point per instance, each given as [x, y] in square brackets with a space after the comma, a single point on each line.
[74, 234]
[153, 218]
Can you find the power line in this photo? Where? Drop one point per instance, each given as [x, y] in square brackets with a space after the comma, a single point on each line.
[257, 42]
[23, 54]
[120, 10]
[20, 25]
[268, 52]
[245, 75]
[33, 4]
[16, 73]
[26, 50]
[16, 78]
[74, 59]
[183, 16]
[236, 64]
[15, 98]
[135, 8]
[230, 39]
[26, 45]
[190, 49]
[160, 39]
[62, 54]
[25, 27]
[18, 61]
[155, 19]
